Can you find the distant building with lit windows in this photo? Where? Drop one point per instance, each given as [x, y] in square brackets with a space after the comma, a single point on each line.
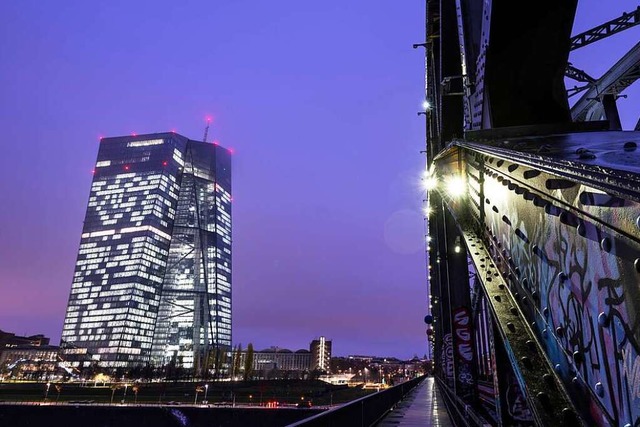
[277, 362]
[280, 359]
[152, 282]
[9, 339]
[321, 354]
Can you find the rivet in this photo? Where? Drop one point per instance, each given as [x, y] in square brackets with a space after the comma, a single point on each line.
[605, 244]
[544, 399]
[560, 331]
[539, 202]
[562, 277]
[636, 264]
[586, 155]
[578, 357]
[569, 417]
[511, 326]
[599, 389]
[558, 368]
[548, 379]
[603, 320]
[545, 311]
[526, 362]
[544, 333]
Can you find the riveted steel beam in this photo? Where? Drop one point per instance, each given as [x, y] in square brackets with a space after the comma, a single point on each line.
[545, 393]
[561, 223]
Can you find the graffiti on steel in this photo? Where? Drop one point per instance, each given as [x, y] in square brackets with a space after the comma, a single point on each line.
[587, 287]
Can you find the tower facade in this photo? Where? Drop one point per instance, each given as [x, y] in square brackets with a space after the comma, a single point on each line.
[152, 282]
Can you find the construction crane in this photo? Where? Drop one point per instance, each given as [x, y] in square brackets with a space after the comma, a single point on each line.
[206, 130]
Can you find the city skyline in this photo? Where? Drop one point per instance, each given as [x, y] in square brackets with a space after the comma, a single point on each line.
[318, 103]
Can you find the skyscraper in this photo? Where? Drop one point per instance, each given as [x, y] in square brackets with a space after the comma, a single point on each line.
[152, 282]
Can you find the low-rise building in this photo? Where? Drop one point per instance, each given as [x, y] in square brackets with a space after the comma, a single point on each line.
[28, 357]
[276, 362]
[8, 339]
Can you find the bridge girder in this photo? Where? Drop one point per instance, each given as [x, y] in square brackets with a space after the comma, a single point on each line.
[541, 253]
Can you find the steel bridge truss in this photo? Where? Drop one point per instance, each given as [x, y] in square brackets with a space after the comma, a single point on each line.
[533, 227]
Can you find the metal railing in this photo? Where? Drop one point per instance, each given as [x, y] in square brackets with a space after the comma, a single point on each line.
[363, 412]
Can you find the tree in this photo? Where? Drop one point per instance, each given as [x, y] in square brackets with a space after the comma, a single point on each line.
[237, 354]
[211, 364]
[218, 361]
[248, 362]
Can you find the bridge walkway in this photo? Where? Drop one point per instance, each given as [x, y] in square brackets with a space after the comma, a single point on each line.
[422, 407]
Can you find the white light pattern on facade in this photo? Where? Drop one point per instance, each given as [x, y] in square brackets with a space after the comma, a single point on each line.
[123, 263]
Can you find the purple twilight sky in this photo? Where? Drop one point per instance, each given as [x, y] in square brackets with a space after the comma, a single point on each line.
[318, 100]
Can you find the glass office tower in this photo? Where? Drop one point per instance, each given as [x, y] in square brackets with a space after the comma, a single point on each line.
[152, 282]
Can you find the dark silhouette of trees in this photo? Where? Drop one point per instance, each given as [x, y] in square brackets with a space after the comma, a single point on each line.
[248, 362]
[235, 364]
